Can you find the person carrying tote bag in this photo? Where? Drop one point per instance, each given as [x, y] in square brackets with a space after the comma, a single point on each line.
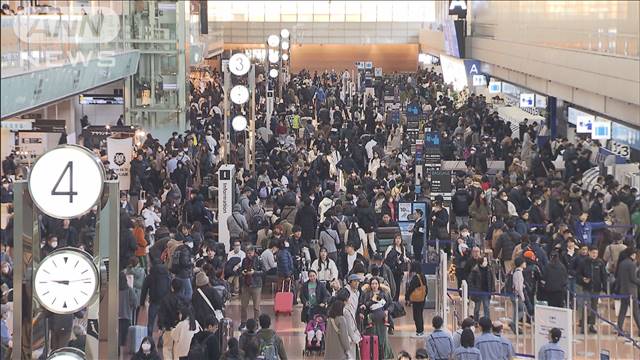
[417, 293]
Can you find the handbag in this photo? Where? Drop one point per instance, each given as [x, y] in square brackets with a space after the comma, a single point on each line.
[419, 293]
[218, 313]
[397, 310]
[243, 234]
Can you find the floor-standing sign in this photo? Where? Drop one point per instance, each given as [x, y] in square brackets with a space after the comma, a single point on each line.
[64, 183]
[549, 317]
[226, 192]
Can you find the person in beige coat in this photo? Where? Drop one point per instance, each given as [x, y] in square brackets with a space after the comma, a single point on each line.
[620, 215]
[337, 340]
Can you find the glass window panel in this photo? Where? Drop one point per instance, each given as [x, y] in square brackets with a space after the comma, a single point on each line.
[321, 17]
[385, 11]
[352, 18]
[400, 10]
[271, 13]
[288, 8]
[305, 11]
[368, 11]
[321, 7]
[352, 7]
[256, 11]
[337, 11]
[239, 10]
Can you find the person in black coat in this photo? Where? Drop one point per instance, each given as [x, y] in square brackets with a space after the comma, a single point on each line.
[556, 278]
[147, 350]
[591, 277]
[128, 244]
[347, 259]
[203, 308]
[157, 285]
[307, 219]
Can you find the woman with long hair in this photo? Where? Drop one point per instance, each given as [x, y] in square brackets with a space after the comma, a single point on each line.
[325, 267]
[147, 350]
[337, 344]
[479, 213]
[417, 293]
[376, 304]
[396, 258]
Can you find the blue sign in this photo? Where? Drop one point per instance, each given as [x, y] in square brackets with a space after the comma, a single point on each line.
[472, 67]
[432, 139]
[625, 135]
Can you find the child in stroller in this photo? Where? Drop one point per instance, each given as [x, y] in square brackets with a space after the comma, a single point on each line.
[315, 333]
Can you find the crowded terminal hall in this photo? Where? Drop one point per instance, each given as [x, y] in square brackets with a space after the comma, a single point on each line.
[340, 180]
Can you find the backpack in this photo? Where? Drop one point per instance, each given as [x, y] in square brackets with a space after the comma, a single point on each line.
[197, 349]
[268, 349]
[508, 284]
[175, 264]
[353, 237]
[263, 193]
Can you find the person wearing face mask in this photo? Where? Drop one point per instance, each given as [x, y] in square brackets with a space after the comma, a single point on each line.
[481, 279]
[50, 245]
[147, 350]
[6, 193]
[500, 206]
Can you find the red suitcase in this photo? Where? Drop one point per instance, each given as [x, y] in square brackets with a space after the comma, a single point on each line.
[369, 349]
[283, 301]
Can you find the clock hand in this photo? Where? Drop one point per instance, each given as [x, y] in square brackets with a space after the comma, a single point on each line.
[65, 282]
[76, 280]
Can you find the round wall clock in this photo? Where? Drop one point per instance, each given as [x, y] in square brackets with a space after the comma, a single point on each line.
[67, 353]
[239, 94]
[66, 281]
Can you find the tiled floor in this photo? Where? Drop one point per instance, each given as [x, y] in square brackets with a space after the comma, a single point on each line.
[290, 329]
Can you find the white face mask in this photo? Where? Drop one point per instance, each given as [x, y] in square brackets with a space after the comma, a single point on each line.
[54, 244]
[190, 245]
[146, 347]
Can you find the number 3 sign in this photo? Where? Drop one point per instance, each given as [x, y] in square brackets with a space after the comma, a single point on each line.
[66, 181]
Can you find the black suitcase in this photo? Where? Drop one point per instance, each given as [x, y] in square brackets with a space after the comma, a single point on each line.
[225, 331]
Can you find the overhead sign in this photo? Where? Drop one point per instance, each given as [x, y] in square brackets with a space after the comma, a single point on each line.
[584, 123]
[620, 149]
[541, 101]
[479, 80]
[527, 100]
[66, 182]
[377, 72]
[625, 135]
[458, 8]
[495, 87]
[601, 129]
[549, 317]
[440, 181]
[239, 64]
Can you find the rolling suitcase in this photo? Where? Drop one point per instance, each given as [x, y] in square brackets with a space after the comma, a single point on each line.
[369, 349]
[225, 332]
[135, 335]
[283, 301]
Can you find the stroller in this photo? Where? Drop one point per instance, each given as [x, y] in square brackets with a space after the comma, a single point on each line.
[314, 335]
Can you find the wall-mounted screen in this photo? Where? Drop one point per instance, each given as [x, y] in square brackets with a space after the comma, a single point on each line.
[92, 99]
[495, 87]
[527, 100]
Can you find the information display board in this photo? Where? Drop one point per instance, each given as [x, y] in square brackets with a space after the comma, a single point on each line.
[549, 317]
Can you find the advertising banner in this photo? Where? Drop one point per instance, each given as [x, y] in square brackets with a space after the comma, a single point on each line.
[549, 317]
[120, 152]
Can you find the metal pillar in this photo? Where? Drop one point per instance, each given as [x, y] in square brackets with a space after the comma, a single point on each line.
[250, 146]
[227, 113]
[29, 316]
[181, 39]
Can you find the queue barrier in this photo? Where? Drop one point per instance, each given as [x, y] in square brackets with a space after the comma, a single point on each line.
[614, 330]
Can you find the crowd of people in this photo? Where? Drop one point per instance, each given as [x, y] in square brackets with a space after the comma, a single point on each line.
[330, 171]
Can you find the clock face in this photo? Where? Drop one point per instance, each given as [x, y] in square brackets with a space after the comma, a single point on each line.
[66, 281]
[239, 94]
[67, 353]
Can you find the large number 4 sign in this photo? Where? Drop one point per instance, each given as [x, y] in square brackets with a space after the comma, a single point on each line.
[71, 193]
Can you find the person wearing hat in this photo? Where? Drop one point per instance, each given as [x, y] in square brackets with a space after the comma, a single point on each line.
[551, 350]
[353, 286]
[506, 343]
[417, 235]
[250, 284]
[205, 299]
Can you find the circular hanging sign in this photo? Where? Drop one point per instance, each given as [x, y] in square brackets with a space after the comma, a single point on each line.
[273, 73]
[273, 40]
[67, 353]
[273, 57]
[66, 182]
[239, 94]
[239, 64]
[239, 123]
